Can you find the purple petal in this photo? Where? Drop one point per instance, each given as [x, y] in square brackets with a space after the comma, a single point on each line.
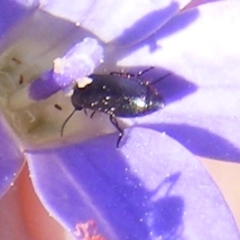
[12, 12]
[128, 24]
[11, 159]
[201, 95]
[148, 188]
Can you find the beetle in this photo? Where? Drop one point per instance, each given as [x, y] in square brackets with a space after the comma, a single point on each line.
[118, 95]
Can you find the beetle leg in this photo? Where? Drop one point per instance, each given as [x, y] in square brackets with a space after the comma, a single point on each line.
[92, 114]
[130, 75]
[113, 120]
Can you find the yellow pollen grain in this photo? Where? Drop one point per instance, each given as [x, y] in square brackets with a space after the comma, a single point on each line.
[58, 65]
[83, 82]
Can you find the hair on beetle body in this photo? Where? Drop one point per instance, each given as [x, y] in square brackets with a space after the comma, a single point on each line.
[118, 95]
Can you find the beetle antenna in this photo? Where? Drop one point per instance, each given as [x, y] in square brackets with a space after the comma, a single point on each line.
[157, 80]
[144, 71]
[67, 119]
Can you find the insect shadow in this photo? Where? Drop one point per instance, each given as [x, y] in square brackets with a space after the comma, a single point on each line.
[120, 193]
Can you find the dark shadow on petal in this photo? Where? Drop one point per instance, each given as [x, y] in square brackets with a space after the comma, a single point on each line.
[167, 220]
[201, 141]
[178, 23]
[172, 87]
[167, 217]
[147, 31]
[146, 26]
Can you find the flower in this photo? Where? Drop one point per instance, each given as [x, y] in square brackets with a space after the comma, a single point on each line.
[153, 187]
